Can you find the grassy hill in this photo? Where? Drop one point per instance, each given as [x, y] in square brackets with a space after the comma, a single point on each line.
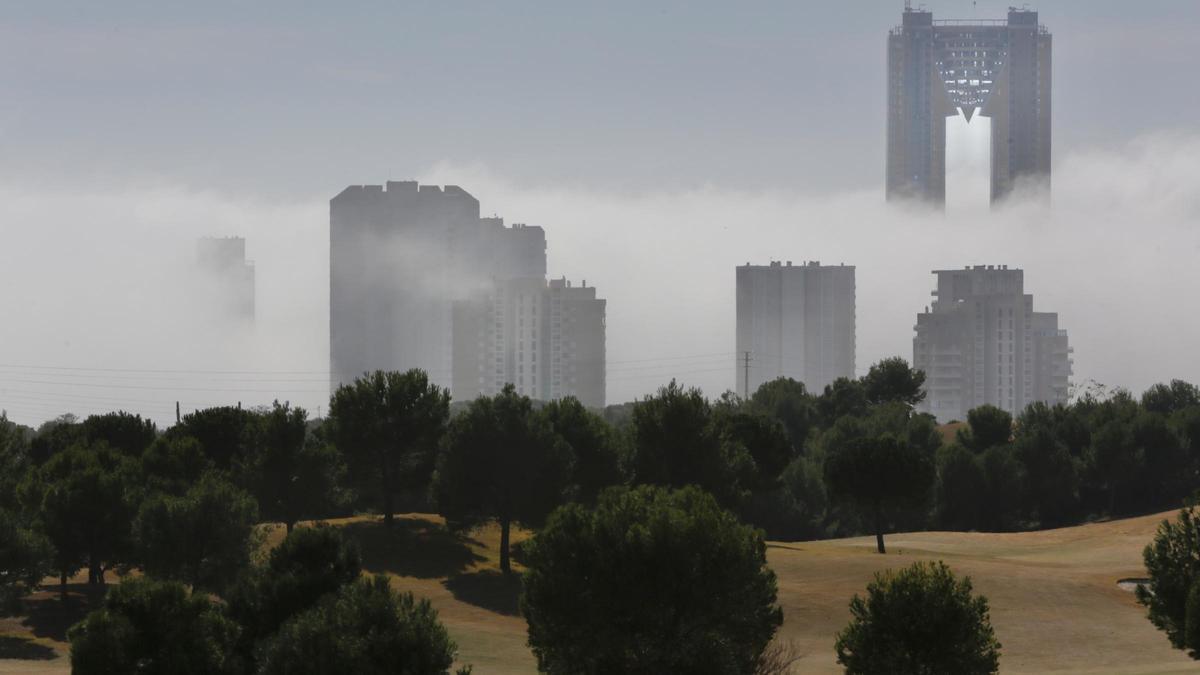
[1055, 602]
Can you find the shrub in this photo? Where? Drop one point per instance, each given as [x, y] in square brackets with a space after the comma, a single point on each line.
[651, 581]
[919, 620]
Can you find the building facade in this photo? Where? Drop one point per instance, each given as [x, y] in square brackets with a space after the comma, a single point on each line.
[419, 280]
[794, 321]
[547, 339]
[227, 277]
[938, 69]
[980, 342]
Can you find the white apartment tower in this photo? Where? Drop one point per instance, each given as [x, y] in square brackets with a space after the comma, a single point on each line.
[794, 321]
[547, 339]
[980, 342]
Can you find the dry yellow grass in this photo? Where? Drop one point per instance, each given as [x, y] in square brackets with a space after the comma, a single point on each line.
[1055, 603]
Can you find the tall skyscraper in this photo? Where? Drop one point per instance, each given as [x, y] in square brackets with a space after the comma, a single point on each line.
[794, 321]
[419, 280]
[937, 69]
[547, 339]
[227, 277]
[399, 256]
[981, 343]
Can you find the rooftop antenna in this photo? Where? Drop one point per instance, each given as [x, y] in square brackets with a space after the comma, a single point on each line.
[908, 5]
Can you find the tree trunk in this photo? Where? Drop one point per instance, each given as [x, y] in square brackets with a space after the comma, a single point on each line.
[879, 528]
[95, 573]
[62, 584]
[289, 525]
[505, 565]
[387, 507]
[387, 495]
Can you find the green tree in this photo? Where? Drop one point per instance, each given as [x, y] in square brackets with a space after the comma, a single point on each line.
[15, 461]
[292, 475]
[173, 464]
[761, 438]
[54, 437]
[224, 432]
[962, 489]
[203, 538]
[85, 499]
[388, 425]
[788, 401]
[1051, 475]
[675, 443]
[124, 432]
[1164, 476]
[1002, 496]
[310, 563]
[157, 628]
[919, 621]
[987, 427]
[843, 397]
[879, 473]
[892, 380]
[593, 442]
[1173, 565]
[26, 557]
[365, 628]
[650, 581]
[1114, 458]
[501, 461]
[1166, 399]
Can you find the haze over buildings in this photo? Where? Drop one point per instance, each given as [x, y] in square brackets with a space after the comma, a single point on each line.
[419, 280]
[729, 157]
[980, 342]
[547, 339]
[942, 68]
[794, 321]
[227, 281]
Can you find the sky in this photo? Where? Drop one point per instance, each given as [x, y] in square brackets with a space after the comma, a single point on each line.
[659, 145]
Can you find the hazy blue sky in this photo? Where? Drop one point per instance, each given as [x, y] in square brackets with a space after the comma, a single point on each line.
[659, 144]
[277, 98]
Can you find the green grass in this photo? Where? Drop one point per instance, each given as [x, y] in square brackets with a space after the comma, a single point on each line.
[1055, 602]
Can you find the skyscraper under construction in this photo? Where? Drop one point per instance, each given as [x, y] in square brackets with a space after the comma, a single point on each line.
[996, 68]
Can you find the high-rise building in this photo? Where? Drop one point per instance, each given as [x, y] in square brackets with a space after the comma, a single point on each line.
[937, 69]
[399, 256]
[547, 339]
[794, 321]
[980, 342]
[227, 277]
[419, 280]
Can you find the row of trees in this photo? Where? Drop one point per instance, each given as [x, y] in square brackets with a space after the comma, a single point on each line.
[111, 490]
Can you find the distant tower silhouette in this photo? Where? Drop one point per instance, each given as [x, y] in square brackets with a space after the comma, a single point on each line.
[936, 68]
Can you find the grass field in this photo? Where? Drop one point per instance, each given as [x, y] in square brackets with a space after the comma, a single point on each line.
[1055, 602]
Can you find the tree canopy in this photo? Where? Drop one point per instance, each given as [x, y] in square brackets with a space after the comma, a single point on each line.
[204, 538]
[878, 473]
[501, 461]
[387, 425]
[650, 581]
[365, 628]
[152, 626]
[917, 621]
[1173, 564]
[892, 380]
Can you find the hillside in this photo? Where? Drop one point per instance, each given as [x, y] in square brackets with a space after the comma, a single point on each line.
[1055, 603]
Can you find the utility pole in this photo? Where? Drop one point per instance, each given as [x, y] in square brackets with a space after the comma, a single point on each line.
[746, 369]
[176, 412]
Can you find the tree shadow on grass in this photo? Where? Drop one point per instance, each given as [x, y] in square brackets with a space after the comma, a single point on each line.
[25, 649]
[413, 547]
[490, 589]
[50, 616]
